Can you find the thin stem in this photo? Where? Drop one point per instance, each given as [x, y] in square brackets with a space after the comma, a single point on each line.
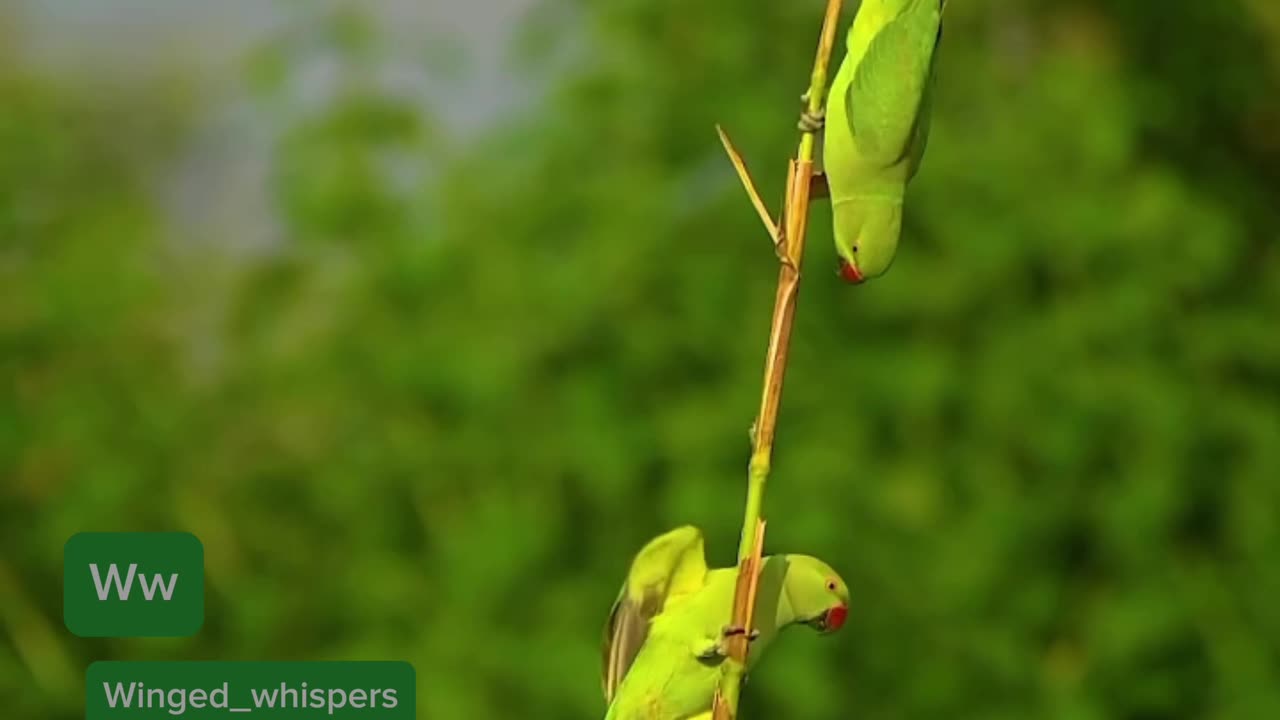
[795, 223]
[749, 185]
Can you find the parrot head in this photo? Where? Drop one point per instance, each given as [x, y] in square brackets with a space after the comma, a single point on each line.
[866, 232]
[818, 596]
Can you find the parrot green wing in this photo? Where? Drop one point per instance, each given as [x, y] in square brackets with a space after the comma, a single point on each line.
[921, 140]
[670, 566]
[885, 98]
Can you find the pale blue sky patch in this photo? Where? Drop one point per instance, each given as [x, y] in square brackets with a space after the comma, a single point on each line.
[454, 55]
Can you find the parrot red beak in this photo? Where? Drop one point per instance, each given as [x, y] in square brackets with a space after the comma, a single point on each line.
[849, 272]
[835, 618]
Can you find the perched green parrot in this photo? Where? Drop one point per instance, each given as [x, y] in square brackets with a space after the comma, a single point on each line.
[877, 126]
[665, 639]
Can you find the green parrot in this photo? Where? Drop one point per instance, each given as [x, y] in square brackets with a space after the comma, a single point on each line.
[877, 126]
[665, 639]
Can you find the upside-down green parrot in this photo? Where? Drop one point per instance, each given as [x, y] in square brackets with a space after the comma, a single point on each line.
[664, 643]
[876, 128]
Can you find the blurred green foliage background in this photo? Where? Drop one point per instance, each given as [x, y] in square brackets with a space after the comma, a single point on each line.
[432, 413]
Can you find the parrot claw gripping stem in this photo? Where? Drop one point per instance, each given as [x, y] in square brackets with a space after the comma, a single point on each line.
[731, 631]
[811, 122]
[715, 648]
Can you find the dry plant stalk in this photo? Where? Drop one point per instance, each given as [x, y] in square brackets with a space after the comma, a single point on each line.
[789, 240]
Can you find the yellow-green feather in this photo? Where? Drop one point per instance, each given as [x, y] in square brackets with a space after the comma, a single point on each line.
[669, 568]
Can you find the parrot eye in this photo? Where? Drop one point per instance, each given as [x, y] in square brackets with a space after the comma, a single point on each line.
[831, 585]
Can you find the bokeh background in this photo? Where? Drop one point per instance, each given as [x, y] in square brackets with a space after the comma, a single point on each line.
[426, 317]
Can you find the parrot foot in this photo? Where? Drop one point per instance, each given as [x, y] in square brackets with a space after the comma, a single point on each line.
[811, 122]
[715, 648]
